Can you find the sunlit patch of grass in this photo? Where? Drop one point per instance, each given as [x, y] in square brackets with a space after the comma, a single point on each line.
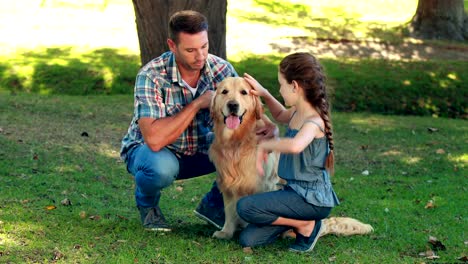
[461, 160]
[325, 19]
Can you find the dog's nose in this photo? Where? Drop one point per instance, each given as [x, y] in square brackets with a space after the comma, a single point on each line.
[233, 106]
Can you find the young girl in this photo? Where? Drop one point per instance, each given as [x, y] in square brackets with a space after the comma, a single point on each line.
[306, 159]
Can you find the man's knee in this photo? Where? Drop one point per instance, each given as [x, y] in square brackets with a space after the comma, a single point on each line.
[156, 170]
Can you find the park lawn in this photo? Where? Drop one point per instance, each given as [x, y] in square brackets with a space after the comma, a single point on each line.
[65, 196]
[57, 148]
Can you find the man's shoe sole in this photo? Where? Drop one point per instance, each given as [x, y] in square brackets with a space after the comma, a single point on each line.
[158, 229]
[207, 219]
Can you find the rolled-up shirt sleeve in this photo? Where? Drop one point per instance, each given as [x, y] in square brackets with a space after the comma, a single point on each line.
[148, 98]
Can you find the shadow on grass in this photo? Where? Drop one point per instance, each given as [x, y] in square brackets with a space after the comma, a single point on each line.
[344, 35]
[64, 71]
[298, 15]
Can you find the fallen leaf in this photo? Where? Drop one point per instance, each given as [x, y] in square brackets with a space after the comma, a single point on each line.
[57, 254]
[95, 217]
[430, 204]
[365, 173]
[440, 151]
[432, 129]
[197, 243]
[122, 217]
[82, 214]
[332, 258]
[463, 258]
[247, 250]
[436, 244]
[429, 254]
[179, 188]
[51, 207]
[66, 202]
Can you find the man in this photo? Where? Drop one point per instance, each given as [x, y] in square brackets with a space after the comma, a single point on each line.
[170, 132]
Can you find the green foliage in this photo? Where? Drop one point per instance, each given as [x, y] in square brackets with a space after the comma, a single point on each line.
[437, 88]
[65, 70]
[46, 158]
[428, 88]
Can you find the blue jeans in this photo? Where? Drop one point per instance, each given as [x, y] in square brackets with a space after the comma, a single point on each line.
[260, 210]
[154, 171]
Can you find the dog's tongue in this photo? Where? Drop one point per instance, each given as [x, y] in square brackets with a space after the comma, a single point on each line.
[232, 122]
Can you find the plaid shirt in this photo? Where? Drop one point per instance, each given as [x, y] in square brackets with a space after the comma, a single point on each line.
[160, 92]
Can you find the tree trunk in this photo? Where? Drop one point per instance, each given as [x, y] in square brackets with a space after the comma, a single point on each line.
[440, 19]
[152, 17]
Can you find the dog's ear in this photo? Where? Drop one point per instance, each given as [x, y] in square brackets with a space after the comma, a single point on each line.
[258, 107]
[213, 107]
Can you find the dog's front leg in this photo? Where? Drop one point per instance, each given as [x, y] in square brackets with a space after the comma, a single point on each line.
[231, 219]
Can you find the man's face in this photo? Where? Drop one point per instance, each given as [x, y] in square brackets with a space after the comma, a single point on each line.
[191, 51]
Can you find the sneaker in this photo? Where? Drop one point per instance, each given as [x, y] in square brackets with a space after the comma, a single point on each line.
[153, 219]
[212, 215]
[305, 244]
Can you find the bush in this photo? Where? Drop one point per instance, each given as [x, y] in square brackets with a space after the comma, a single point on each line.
[435, 88]
[397, 87]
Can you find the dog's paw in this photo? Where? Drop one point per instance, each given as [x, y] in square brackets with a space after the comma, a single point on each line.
[222, 235]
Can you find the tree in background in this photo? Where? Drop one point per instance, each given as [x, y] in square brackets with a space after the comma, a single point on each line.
[152, 18]
[440, 19]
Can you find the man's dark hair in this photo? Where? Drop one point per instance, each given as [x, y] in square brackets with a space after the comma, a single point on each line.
[187, 21]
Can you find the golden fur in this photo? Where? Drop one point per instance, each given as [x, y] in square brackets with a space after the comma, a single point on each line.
[236, 114]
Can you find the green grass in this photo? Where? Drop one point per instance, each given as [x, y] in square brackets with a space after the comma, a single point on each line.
[44, 159]
[55, 90]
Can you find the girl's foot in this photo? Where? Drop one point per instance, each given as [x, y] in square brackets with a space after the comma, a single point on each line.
[305, 244]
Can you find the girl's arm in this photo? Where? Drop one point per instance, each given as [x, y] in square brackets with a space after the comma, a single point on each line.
[293, 145]
[278, 111]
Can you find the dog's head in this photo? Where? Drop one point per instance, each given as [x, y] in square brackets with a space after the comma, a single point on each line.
[233, 103]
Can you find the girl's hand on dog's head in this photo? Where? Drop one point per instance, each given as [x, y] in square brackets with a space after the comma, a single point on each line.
[257, 88]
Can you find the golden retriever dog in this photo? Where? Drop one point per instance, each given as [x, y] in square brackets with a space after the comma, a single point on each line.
[236, 114]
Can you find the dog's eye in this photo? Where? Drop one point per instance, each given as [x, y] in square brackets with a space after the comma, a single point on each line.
[224, 92]
[244, 92]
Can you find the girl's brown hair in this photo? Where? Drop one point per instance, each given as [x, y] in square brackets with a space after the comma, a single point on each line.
[305, 69]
